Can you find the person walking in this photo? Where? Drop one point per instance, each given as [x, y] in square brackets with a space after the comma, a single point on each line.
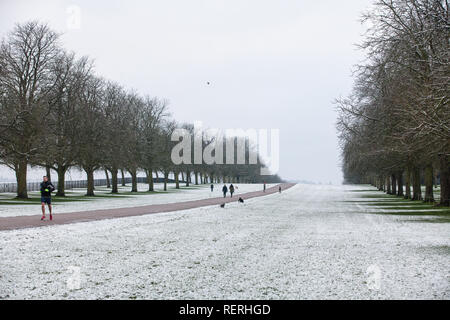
[46, 196]
[231, 190]
[264, 188]
[212, 187]
[279, 189]
[224, 190]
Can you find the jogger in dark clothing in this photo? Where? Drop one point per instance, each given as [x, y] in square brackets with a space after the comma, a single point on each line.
[212, 187]
[224, 190]
[231, 190]
[46, 196]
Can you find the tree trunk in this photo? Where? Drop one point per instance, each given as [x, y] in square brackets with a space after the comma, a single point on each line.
[408, 184]
[150, 180]
[380, 184]
[61, 192]
[48, 173]
[435, 178]
[196, 178]
[166, 177]
[108, 183]
[429, 183]
[444, 166]
[123, 178]
[394, 184]
[21, 176]
[388, 185]
[417, 193]
[182, 176]
[133, 180]
[400, 184]
[188, 178]
[114, 180]
[177, 181]
[90, 182]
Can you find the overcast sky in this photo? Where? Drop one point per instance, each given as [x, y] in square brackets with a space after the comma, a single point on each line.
[271, 64]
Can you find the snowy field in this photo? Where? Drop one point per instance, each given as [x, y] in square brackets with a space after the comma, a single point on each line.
[310, 242]
[105, 200]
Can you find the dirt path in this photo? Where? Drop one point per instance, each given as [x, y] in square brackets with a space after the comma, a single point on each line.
[22, 222]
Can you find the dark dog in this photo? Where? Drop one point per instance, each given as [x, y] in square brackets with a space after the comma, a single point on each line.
[241, 200]
[222, 205]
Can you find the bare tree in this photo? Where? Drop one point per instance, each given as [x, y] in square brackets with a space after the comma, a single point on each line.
[90, 154]
[153, 114]
[62, 134]
[27, 56]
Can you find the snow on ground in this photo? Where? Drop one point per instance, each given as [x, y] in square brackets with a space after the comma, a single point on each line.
[126, 199]
[309, 242]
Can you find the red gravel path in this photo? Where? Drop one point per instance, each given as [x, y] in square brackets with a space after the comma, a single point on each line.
[22, 222]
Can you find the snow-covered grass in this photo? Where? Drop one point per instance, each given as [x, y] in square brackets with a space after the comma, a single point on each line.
[311, 241]
[76, 201]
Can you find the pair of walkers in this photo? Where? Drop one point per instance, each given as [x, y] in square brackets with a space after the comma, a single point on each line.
[225, 190]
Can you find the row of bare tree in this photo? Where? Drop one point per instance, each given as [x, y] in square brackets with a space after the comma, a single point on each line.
[56, 113]
[394, 128]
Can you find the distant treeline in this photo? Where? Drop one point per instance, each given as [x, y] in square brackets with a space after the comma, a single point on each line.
[394, 128]
[55, 112]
